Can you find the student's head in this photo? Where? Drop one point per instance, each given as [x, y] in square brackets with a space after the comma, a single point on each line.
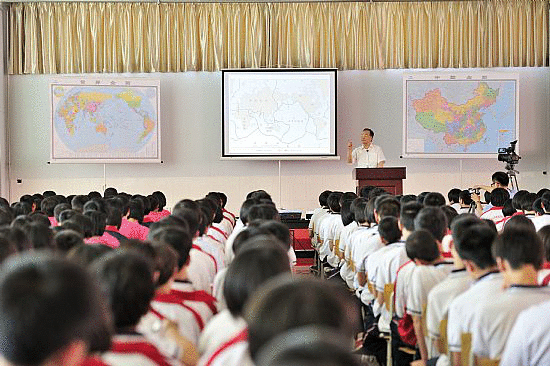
[127, 280]
[21, 208]
[99, 220]
[359, 208]
[191, 217]
[473, 244]
[408, 213]
[388, 228]
[47, 206]
[520, 222]
[85, 223]
[365, 191]
[461, 223]
[135, 210]
[60, 207]
[263, 211]
[40, 236]
[407, 198]
[422, 246]
[500, 179]
[110, 192]
[275, 228]
[178, 239]
[346, 213]
[527, 200]
[51, 309]
[6, 215]
[65, 240]
[434, 199]
[347, 196]
[450, 213]
[86, 254]
[508, 209]
[260, 194]
[252, 267]
[245, 209]
[323, 198]
[465, 197]
[517, 199]
[114, 216]
[7, 246]
[386, 206]
[432, 219]
[166, 262]
[333, 201]
[499, 196]
[78, 202]
[453, 195]
[286, 303]
[515, 248]
[544, 235]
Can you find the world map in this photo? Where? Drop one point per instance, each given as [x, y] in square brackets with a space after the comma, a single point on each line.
[459, 116]
[104, 122]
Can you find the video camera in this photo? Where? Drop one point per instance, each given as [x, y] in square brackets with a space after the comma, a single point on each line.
[508, 154]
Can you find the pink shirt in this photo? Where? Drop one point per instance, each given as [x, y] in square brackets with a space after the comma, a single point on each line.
[154, 216]
[133, 230]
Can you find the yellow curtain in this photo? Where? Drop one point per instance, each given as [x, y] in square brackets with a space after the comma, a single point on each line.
[97, 37]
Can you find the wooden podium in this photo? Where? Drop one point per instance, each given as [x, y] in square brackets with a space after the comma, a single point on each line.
[391, 179]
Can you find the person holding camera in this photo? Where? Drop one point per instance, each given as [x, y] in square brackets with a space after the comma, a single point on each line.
[499, 180]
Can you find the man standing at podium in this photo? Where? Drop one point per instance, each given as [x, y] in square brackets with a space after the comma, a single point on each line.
[367, 155]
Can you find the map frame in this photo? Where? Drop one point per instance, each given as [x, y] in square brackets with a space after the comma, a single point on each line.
[103, 82]
[228, 154]
[453, 76]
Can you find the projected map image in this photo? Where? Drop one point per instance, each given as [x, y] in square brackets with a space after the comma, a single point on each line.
[104, 121]
[280, 114]
[459, 116]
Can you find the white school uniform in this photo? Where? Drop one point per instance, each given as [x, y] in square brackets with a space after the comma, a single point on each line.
[314, 224]
[541, 221]
[423, 279]
[327, 230]
[464, 307]
[346, 272]
[494, 214]
[201, 270]
[217, 288]
[220, 329]
[441, 296]
[212, 247]
[529, 340]
[402, 283]
[363, 249]
[439, 299]
[494, 320]
[387, 261]
[229, 254]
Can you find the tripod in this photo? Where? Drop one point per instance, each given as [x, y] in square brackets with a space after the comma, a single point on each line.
[512, 175]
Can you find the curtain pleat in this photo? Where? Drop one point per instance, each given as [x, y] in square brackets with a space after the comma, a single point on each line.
[102, 37]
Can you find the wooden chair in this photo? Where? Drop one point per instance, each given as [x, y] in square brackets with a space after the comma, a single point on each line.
[443, 341]
[488, 362]
[466, 349]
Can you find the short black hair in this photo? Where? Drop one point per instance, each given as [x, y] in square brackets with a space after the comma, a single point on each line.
[499, 196]
[263, 211]
[47, 205]
[450, 213]
[521, 222]
[453, 195]
[387, 206]
[388, 228]
[432, 219]
[466, 197]
[434, 199]
[474, 243]
[421, 245]
[333, 201]
[166, 261]
[46, 303]
[370, 131]
[177, 238]
[519, 247]
[65, 240]
[501, 178]
[359, 207]
[285, 303]
[323, 198]
[408, 213]
[127, 280]
[346, 213]
[544, 235]
[252, 267]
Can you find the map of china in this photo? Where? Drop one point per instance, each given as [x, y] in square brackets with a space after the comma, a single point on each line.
[461, 124]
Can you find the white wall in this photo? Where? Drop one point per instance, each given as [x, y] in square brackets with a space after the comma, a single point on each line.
[191, 139]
